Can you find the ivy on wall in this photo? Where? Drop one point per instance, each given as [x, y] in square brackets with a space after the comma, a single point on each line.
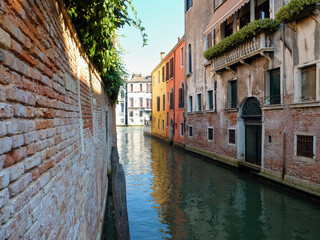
[96, 22]
[295, 9]
[248, 32]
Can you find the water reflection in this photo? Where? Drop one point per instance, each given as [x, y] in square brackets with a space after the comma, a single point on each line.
[175, 195]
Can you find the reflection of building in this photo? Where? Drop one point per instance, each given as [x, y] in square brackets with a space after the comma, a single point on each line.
[121, 108]
[255, 101]
[139, 99]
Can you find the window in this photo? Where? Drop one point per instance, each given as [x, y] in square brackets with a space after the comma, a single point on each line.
[232, 94]
[190, 107]
[158, 104]
[182, 56]
[158, 124]
[167, 71]
[199, 102]
[228, 30]
[189, 59]
[208, 41]
[164, 102]
[305, 146]
[210, 100]
[190, 131]
[188, 5]
[122, 107]
[263, 10]
[131, 87]
[141, 102]
[159, 76]
[308, 83]
[210, 133]
[232, 136]
[167, 97]
[141, 113]
[181, 129]
[131, 102]
[163, 74]
[122, 94]
[171, 68]
[140, 87]
[131, 114]
[273, 95]
[171, 99]
[167, 119]
[162, 125]
[181, 96]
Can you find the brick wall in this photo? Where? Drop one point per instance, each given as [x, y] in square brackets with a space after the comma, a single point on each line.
[55, 132]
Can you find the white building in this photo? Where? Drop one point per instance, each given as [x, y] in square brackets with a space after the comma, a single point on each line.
[139, 99]
[121, 108]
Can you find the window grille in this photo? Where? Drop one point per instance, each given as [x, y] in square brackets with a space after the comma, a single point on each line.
[305, 146]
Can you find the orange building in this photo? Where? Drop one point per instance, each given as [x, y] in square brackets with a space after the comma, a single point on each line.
[175, 84]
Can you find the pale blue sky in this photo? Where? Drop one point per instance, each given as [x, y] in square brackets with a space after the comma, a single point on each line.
[164, 23]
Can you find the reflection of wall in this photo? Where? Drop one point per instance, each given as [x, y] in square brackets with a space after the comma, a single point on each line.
[56, 127]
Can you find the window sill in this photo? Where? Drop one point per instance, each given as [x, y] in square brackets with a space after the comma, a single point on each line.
[210, 111]
[190, 113]
[199, 112]
[305, 104]
[304, 159]
[272, 107]
[231, 110]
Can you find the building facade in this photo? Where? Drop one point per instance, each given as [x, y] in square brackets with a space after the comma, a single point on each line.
[255, 104]
[121, 108]
[168, 95]
[139, 99]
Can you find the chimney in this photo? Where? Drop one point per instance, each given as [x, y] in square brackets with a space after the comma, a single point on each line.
[162, 55]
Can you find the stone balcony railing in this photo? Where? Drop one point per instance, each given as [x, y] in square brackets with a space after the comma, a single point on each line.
[256, 46]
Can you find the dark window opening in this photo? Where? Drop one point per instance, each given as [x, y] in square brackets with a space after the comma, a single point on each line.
[210, 133]
[308, 83]
[305, 146]
[190, 132]
[158, 104]
[164, 102]
[232, 136]
[275, 97]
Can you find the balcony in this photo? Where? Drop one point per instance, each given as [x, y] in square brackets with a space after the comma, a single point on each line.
[254, 47]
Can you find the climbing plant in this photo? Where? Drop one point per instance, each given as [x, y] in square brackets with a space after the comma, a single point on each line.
[248, 32]
[295, 9]
[96, 22]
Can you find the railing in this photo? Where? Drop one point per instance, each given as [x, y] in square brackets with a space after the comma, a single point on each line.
[246, 49]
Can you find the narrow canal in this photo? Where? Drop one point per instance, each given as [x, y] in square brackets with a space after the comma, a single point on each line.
[172, 194]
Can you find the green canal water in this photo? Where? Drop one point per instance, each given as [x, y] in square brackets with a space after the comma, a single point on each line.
[172, 194]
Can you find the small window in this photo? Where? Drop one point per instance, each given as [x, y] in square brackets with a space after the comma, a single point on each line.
[159, 76]
[131, 113]
[181, 96]
[199, 102]
[141, 102]
[167, 97]
[140, 87]
[131, 87]
[189, 59]
[232, 136]
[190, 131]
[182, 56]
[190, 106]
[171, 99]
[210, 133]
[162, 125]
[158, 124]
[167, 119]
[158, 104]
[131, 102]
[208, 41]
[181, 129]
[217, 3]
[162, 74]
[141, 113]
[232, 94]
[305, 146]
[210, 100]
[188, 5]
[171, 68]
[122, 107]
[164, 102]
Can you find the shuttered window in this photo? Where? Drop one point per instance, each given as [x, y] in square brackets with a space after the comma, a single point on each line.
[181, 96]
[171, 68]
[164, 102]
[167, 71]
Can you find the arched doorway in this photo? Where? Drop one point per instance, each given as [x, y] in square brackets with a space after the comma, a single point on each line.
[252, 115]
[171, 131]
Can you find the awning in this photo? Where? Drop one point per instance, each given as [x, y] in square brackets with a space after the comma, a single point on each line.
[225, 11]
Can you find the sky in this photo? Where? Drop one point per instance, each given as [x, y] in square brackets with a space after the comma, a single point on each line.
[164, 23]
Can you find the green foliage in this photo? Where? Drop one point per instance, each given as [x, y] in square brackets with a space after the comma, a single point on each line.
[248, 32]
[295, 9]
[96, 22]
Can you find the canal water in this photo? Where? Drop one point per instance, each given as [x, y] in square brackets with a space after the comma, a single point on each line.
[172, 194]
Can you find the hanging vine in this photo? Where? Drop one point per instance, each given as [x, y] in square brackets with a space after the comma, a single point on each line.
[96, 22]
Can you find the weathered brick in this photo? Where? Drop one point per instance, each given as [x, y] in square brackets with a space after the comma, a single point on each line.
[3, 158]
[17, 127]
[18, 141]
[3, 129]
[4, 178]
[4, 197]
[15, 171]
[45, 166]
[21, 96]
[20, 185]
[5, 76]
[32, 161]
[3, 94]
[6, 110]
[2, 57]
[31, 137]
[5, 144]
[5, 39]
